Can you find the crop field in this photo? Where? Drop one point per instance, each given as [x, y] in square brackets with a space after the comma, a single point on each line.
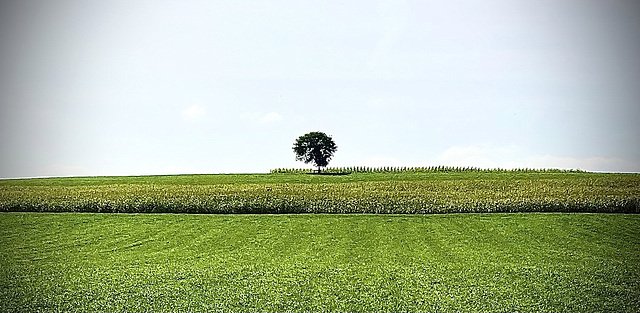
[499, 262]
[572, 246]
[368, 192]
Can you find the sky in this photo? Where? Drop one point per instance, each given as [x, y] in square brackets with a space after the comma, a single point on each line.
[139, 87]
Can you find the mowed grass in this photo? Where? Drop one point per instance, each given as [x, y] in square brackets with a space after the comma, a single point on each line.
[449, 262]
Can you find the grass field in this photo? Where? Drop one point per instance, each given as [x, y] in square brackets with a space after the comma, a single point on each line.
[395, 193]
[450, 262]
[322, 262]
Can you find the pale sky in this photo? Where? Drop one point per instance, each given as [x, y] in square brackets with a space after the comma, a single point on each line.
[167, 87]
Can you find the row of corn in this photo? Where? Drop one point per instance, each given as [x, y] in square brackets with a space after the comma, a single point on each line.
[428, 169]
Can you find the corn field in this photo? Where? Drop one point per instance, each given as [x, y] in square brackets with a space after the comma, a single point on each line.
[429, 169]
[392, 194]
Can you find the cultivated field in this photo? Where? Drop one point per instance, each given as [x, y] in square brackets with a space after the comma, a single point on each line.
[553, 262]
[471, 261]
[398, 193]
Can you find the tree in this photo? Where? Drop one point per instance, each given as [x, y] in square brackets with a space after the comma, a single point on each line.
[315, 147]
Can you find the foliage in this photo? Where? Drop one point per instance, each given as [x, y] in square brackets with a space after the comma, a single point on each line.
[406, 193]
[319, 263]
[316, 148]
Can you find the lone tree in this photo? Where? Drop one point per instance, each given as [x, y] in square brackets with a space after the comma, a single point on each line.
[315, 147]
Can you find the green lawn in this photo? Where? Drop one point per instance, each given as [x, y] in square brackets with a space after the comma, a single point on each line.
[449, 262]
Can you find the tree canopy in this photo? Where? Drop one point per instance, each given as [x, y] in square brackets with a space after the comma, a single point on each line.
[316, 147]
